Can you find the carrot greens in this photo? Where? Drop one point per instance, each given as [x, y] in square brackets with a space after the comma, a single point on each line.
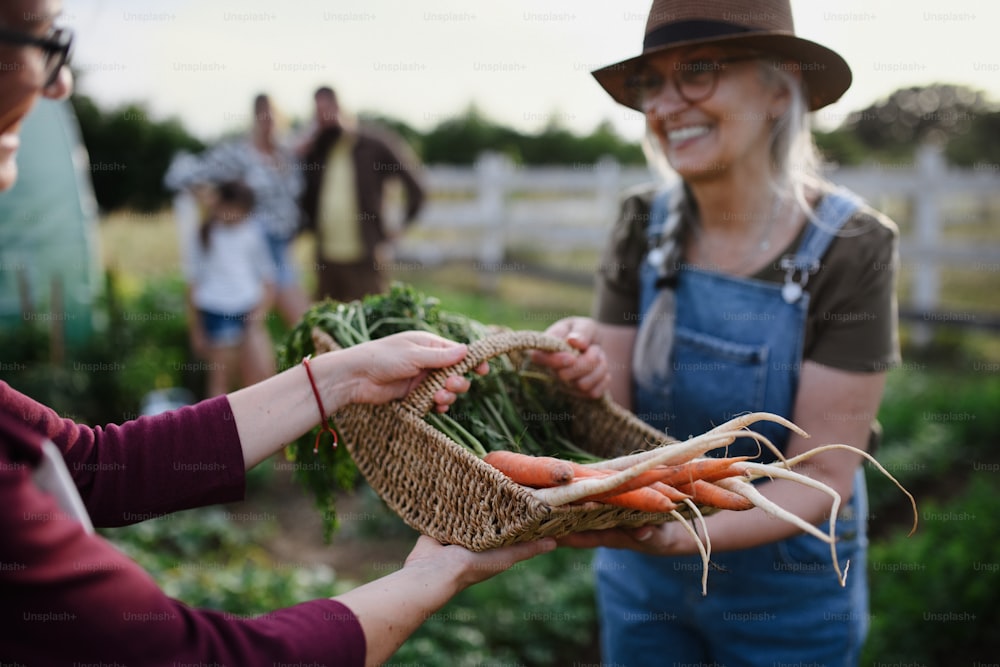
[511, 408]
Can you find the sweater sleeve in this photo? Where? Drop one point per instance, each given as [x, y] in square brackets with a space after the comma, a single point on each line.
[70, 598]
[853, 320]
[146, 467]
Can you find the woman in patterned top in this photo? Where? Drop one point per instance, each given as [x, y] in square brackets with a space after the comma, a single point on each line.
[272, 171]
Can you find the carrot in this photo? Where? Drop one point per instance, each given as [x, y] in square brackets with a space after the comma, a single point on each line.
[707, 493]
[533, 471]
[670, 492]
[704, 548]
[871, 459]
[745, 488]
[628, 461]
[643, 499]
[649, 478]
[677, 453]
[708, 469]
[720, 436]
[582, 471]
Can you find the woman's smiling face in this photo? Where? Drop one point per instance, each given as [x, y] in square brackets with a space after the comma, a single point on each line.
[23, 76]
[729, 128]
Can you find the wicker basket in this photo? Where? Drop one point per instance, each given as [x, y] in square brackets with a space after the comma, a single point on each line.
[441, 489]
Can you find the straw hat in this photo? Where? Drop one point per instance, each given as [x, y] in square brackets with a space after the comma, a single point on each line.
[758, 24]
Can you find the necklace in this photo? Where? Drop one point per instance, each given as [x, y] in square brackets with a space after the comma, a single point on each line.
[761, 245]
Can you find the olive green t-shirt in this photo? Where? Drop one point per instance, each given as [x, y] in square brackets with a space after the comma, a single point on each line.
[851, 322]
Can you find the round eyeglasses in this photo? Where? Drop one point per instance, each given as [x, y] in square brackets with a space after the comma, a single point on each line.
[56, 45]
[694, 80]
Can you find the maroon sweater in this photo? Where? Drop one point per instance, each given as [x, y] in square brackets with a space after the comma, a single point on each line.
[70, 598]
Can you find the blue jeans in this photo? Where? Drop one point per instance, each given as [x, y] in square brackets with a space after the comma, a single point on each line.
[223, 329]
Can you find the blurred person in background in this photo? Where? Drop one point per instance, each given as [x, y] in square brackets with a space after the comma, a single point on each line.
[230, 289]
[270, 168]
[744, 282]
[347, 170]
[68, 597]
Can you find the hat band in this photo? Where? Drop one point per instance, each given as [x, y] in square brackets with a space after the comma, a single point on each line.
[685, 31]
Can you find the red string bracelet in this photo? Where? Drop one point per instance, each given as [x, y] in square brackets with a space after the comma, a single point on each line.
[325, 422]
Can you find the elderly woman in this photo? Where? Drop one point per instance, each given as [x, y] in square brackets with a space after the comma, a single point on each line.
[69, 597]
[744, 282]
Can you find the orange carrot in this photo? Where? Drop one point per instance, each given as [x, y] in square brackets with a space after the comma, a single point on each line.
[581, 471]
[665, 478]
[535, 471]
[667, 455]
[643, 499]
[652, 478]
[707, 469]
[643, 479]
[670, 492]
[707, 493]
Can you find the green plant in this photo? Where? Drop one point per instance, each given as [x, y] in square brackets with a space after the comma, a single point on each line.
[205, 559]
[938, 426]
[934, 594]
[540, 612]
[140, 344]
[494, 414]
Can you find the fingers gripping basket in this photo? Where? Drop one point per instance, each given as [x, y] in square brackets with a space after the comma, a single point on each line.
[441, 489]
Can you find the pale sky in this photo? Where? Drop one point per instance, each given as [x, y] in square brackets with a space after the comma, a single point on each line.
[520, 61]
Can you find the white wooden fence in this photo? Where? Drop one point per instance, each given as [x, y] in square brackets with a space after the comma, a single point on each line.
[477, 214]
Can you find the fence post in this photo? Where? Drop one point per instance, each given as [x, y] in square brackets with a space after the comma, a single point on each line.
[930, 168]
[492, 183]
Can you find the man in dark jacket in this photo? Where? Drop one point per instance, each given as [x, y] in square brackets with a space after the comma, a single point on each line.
[346, 171]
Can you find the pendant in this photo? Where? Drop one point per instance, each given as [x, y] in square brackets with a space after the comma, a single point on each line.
[656, 257]
[791, 292]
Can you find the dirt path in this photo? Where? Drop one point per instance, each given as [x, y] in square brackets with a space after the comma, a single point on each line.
[358, 550]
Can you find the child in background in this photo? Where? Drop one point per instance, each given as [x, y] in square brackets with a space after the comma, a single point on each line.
[230, 276]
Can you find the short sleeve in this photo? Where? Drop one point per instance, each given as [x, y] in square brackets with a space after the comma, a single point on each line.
[854, 318]
[616, 299]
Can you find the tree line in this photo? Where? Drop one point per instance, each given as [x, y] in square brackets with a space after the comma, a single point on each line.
[962, 120]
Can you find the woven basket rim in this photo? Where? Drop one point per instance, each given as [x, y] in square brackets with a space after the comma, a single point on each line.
[535, 517]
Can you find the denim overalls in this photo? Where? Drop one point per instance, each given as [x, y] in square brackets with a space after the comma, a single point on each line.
[738, 348]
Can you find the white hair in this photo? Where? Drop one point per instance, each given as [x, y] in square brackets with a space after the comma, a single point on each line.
[795, 160]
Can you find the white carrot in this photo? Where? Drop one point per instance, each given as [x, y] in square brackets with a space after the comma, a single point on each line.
[706, 549]
[751, 493]
[736, 428]
[818, 450]
[742, 421]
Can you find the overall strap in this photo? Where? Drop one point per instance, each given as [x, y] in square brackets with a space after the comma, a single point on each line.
[833, 212]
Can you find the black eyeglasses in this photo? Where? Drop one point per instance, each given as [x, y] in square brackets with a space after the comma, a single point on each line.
[695, 80]
[56, 45]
